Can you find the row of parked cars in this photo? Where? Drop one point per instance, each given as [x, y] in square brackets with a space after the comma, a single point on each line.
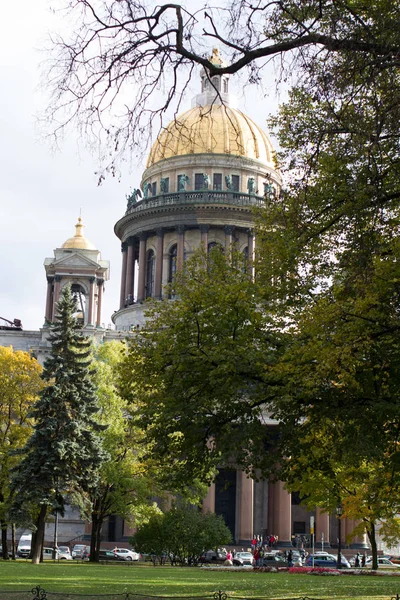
[81, 552]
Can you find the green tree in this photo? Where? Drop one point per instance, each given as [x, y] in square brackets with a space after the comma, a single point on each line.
[64, 453]
[200, 373]
[183, 533]
[128, 482]
[20, 384]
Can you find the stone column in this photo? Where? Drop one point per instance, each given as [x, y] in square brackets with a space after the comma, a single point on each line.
[181, 247]
[130, 271]
[90, 320]
[271, 508]
[359, 542]
[245, 487]
[49, 304]
[322, 527]
[251, 246]
[124, 248]
[142, 267]
[56, 295]
[229, 239]
[159, 263]
[209, 500]
[204, 229]
[100, 284]
[282, 515]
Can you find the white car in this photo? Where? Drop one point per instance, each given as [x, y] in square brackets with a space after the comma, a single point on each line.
[125, 554]
[383, 562]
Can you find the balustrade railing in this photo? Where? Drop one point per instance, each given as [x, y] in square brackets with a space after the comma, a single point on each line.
[194, 197]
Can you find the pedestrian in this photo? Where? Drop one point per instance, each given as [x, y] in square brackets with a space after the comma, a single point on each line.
[290, 558]
[363, 560]
[357, 561]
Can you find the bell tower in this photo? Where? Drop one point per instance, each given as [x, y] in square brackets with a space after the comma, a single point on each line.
[77, 263]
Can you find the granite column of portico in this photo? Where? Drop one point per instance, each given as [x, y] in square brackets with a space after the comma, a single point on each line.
[245, 487]
[49, 297]
[229, 239]
[90, 320]
[124, 248]
[322, 520]
[159, 263]
[130, 271]
[100, 287]
[282, 514]
[251, 245]
[180, 258]
[142, 267]
[204, 229]
[56, 297]
[209, 500]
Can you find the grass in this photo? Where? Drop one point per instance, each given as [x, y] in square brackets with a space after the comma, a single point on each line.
[114, 579]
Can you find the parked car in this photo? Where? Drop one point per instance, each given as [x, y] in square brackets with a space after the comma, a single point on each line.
[323, 559]
[274, 560]
[80, 551]
[126, 554]
[383, 562]
[242, 559]
[23, 551]
[105, 554]
[64, 549]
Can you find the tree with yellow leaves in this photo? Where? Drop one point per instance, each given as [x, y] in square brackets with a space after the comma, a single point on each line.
[20, 384]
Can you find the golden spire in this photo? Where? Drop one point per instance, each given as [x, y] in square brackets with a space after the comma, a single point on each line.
[79, 241]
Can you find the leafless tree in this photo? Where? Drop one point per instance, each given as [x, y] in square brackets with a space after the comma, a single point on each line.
[127, 63]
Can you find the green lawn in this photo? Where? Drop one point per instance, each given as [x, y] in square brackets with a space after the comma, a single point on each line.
[84, 578]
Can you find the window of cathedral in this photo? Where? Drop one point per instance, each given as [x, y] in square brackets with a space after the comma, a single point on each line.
[198, 181]
[225, 84]
[217, 181]
[154, 188]
[150, 273]
[235, 183]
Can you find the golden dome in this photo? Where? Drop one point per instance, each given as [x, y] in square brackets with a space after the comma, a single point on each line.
[78, 241]
[215, 129]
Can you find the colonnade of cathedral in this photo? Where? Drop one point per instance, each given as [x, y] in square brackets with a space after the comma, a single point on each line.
[158, 261]
[275, 517]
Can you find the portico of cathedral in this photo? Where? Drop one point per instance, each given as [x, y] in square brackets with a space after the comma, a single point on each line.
[204, 175]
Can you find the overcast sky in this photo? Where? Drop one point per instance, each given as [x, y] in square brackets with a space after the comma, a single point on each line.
[42, 191]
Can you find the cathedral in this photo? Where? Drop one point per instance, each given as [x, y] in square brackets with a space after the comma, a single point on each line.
[205, 173]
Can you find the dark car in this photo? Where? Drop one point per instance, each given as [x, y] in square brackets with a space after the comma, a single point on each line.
[323, 559]
[107, 555]
[213, 557]
[274, 560]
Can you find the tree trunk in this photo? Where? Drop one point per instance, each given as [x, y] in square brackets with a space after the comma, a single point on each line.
[13, 546]
[37, 541]
[97, 522]
[372, 539]
[4, 540]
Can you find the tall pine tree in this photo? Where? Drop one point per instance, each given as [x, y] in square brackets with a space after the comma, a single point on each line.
[64, 453]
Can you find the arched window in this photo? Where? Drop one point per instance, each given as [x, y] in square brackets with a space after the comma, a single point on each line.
[150, 271]
[173, 256]
[79, 294]
[213, 245]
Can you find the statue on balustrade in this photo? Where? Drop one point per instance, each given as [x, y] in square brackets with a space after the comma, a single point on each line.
[206, 181]
[147, 189]
[228, 182]
[164, 185]
[182, 181]
[133, 198]
[251, 185]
